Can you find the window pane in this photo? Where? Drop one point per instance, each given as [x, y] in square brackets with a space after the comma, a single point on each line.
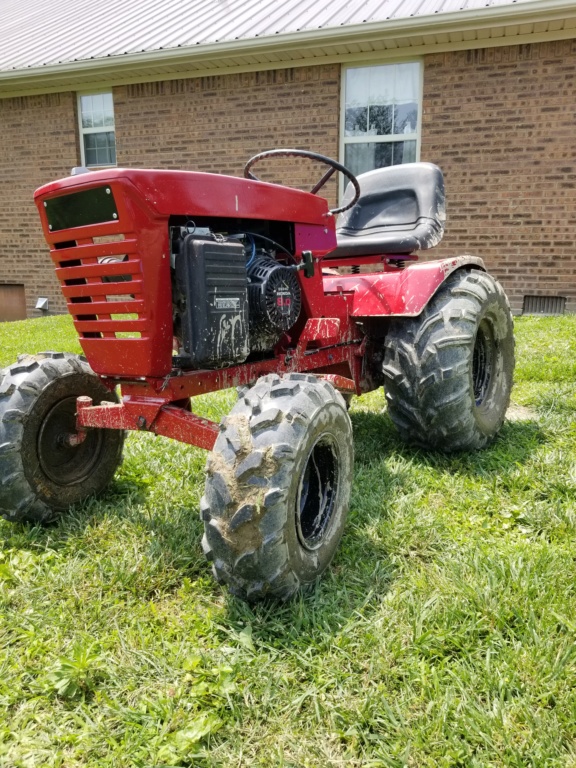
[360, 158]
[356, 121]
[406, 97]
[357, 99]
[381, 120]
[108, 109]
[98, 102]
[406, 118]
[381, 83]
[404, 152]
[90, 156]
[357, 86]
[86, 111]
[98, 110]
[381, 100]
[100, 148]
[406, 82]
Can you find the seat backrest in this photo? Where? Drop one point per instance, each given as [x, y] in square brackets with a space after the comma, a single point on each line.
[396, 198]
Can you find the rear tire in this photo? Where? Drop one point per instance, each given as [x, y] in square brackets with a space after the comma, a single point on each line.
[278, 487]
[448, 373]
[41, 474]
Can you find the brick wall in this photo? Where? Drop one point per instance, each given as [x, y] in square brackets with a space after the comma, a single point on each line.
[38, 145]
[501, 123]
[216, 124]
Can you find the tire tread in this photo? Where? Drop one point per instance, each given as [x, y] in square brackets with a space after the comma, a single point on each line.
[244, 527]
[427, 364]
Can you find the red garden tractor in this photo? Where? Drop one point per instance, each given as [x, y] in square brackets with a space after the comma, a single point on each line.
[183, 283]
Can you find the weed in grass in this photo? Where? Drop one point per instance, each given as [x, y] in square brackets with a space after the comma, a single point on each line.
[78, 674]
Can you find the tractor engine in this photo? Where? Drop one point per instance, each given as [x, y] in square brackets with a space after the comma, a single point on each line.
[230, 298]
[274, 301]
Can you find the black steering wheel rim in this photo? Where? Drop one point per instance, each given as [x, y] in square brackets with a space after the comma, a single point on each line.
[315, 156]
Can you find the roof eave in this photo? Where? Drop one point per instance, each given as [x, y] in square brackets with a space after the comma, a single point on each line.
[297, 47]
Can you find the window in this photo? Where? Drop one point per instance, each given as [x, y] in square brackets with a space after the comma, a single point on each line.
[381, 116]
[97, 139]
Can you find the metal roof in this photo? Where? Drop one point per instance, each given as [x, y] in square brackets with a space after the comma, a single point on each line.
[80, 35]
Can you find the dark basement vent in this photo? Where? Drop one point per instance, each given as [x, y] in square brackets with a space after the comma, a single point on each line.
[544, 305]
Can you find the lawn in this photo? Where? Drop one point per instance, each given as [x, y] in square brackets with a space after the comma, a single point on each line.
[444, 634]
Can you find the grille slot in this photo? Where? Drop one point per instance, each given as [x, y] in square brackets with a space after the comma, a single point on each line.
[103, 286]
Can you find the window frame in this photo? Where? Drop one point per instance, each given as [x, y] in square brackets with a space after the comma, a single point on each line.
[83, 131]
[380, 139]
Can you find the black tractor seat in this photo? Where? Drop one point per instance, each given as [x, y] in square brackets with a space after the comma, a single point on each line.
[401, 209]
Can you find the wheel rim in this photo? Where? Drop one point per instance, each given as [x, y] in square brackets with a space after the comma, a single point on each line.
[482, 362]
[317, 493]
[63, 463]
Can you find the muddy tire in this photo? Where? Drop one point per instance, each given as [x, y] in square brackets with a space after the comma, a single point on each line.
[278, 487]
[41, 474]
[448, 373]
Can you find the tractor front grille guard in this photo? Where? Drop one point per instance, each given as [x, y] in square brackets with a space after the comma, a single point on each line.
[116, 288]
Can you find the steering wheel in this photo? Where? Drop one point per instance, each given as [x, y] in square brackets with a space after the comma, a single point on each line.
[334, 166]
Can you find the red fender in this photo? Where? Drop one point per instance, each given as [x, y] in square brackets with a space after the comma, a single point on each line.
[405, 292]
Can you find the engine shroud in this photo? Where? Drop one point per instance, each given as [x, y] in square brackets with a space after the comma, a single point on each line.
[274, 301]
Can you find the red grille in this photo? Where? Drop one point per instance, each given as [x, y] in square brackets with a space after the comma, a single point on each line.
[115, 275]
[102, 283]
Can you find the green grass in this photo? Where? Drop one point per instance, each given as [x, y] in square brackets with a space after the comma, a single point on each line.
[444, 634]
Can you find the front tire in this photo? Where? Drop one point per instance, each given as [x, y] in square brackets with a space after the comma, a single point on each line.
[448, 373]
[278, 487]
[42, 474]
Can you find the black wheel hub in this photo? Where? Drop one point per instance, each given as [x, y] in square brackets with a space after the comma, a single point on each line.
[317, 494]
[482, 362]
[62, 462]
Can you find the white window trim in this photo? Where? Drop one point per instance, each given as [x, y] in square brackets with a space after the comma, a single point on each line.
[82, 130]
[378, 139]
